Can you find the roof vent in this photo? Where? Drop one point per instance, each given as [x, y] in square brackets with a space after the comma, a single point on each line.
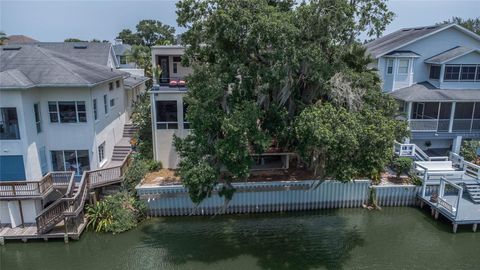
[80, 46]
[12, 48]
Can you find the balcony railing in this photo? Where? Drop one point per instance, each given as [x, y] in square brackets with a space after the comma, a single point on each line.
[172, 83]
[442, 125]
[34, 189]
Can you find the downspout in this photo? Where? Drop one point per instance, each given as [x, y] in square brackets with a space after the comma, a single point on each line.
[93, 129]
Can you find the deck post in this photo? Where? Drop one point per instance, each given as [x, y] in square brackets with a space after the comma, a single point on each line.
[21, 213]
[436, 214]
[474, 227]
[455, 226]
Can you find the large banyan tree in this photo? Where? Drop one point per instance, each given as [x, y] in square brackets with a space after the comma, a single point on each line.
[284, 73]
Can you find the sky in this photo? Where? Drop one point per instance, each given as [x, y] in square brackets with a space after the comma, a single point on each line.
[104, 19]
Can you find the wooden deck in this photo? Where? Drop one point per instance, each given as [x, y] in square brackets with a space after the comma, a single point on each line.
[29, 231]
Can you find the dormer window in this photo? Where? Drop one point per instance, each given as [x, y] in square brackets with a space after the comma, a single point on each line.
[389, 66]
[434, 72]
[467, 73]
[403, 66]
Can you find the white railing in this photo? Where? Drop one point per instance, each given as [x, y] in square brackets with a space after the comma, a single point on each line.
[470, 169]
[412, 150]
[423, 125]
[443, 125]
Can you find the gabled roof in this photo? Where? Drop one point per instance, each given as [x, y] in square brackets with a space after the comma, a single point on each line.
[424, 91]
[95, 52]
[26, 66]
[402, 54]
[449, 55]
[121, 49]
[19, 39]
[405, 36]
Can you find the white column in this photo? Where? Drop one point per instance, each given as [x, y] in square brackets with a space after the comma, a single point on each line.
[457, 143]
[410, 72]
[154, 124]
[394, 75]
[452, 114]
[442, 72]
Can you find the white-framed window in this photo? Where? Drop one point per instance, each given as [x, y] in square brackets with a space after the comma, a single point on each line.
[403, 66]
[112, 102]
[67, 111]
[452, 73]
[166, 114]
[110, 86]
[105, 104]
[462, 72]
[9, 128]
[389, 66]
[123, 59]
[38, 119]
[95, 111]
[101, 152]
[117, 83]
[71, 160]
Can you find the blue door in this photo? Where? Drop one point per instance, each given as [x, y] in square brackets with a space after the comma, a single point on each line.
[12, 168]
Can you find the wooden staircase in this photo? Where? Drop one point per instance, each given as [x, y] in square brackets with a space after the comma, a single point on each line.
[120, 152]
[69, 208]
[473, 191]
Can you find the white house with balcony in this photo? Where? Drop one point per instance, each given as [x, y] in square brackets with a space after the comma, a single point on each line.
[434, 73]
[57, 113]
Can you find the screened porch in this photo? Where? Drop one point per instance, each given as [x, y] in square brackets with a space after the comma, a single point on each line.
[444, 116]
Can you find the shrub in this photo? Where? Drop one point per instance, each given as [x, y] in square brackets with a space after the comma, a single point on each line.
[469, 150]
[134, 174]
[415, 180]
[153, 165]
[402, 165]
[115, 213]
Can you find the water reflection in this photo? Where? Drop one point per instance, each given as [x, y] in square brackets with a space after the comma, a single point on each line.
[293, 241]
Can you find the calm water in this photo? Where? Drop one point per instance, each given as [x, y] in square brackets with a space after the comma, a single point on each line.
[394, 238]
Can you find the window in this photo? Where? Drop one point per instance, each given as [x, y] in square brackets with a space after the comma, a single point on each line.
[112, 102]
[123, 59]
[468, 73]
[95, 112]
[403, 66]
[71, 160]
[452, 73]
[175, 69]
[177, 59]
[434, 72]
[101, 152]
[186, 124]
[110, 86]
[117, 83]
[478, 73]
[38, 123]
[389, 66]
[9, 124]
[166, 114]
[105, 105]
[67, 111]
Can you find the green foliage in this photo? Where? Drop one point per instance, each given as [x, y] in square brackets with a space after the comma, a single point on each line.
[134, 174]
[149, 33]
[3, 37]
[402, 165]
[142, 120]
[263, 71]
[469, 150]
[415, 180]
[74, 40]
[153, 165]
[115, 213]
[472, 24]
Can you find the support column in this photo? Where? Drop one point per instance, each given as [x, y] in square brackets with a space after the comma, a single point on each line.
[457, 143]
[452, 115]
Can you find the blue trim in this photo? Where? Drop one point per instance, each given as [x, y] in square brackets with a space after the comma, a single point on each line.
[12, 168]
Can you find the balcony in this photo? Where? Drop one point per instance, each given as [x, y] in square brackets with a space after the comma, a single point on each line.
[445, 117]
[171, 84]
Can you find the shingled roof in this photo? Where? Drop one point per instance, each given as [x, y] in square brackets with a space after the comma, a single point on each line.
[95, 52]
[449, 55]
[26, 66]
[424, 91]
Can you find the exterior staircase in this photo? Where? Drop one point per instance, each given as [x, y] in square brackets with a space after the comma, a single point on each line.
[120, 152]
[128, 130]
[473, 191]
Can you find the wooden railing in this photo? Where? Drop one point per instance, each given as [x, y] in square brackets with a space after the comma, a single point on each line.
[26, 189]
[71, 206]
